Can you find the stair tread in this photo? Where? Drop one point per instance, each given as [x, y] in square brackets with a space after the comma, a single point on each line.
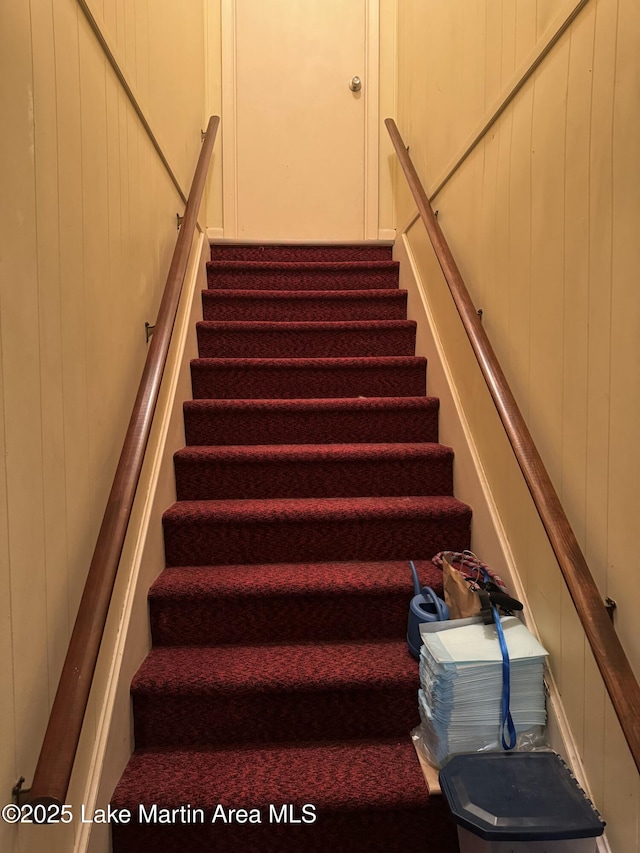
[363, 362]
[305, 325]
[287, 667]
[346, 295]
[325, 452]
[288, 252]
[302, 266]
[315, 404]
[291, 579]
[358, 774]
[308, 509]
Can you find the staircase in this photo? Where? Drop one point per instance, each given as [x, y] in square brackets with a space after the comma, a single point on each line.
[279, 683]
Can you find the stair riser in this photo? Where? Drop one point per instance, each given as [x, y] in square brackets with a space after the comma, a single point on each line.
[279, 619]
[293, 279]
[306, 254]
[273, 717]
[205, 426]
[217, 306]
[216, 343]
[205, 542]
[359, 831]
[211, 382]
[200, 479]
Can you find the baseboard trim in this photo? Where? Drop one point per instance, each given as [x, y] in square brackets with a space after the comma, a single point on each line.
[387, 234]
[389, 241]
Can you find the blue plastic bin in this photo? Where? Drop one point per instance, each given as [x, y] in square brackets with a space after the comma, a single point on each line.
[519, 802]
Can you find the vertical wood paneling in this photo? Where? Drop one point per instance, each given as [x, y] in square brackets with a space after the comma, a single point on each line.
[519, 292]
[72, 276]
[509, 12]
[576, 269]
[95, 230]
[110, 18]
[130, 41]
[213, 99]
[50, 334]
[621, 800]
[488, 241]
[141, 12]
[8, 758]
[498, 317]
[113, 237]
[624, 459]
[546, 12]
[547, 267]
[526, 28]
[543, 220]
[600, 200]
[573, 652]
[121, 12]
[22, 384]
[493, 46]
[85, 246]
[593, 755]
[8, 762]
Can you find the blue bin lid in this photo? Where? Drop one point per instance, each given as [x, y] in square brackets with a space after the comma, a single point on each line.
[518, 796]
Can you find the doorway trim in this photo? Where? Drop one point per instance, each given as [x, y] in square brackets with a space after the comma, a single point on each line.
[229, 120]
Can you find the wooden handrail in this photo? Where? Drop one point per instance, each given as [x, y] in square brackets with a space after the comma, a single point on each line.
[610, 657]
[53, 771]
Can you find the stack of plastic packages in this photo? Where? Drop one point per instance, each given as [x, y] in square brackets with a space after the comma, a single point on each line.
[461, 696]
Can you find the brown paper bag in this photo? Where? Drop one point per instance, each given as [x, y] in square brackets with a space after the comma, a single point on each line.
[460, 598]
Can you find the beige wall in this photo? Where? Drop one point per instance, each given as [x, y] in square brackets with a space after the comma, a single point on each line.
[87, 227]
[542, 217]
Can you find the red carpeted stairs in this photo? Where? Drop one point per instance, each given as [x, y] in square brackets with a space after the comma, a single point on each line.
[279, 682]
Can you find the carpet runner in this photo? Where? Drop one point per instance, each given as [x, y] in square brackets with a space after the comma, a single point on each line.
[274, 709]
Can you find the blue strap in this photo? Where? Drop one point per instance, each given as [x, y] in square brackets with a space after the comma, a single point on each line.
[506, 687]
[506, 719]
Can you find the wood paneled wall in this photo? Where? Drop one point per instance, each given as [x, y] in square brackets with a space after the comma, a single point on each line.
[213, 98]
[87, 228]
[543, 218]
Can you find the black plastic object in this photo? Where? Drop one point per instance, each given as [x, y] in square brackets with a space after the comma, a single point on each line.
[518, 796]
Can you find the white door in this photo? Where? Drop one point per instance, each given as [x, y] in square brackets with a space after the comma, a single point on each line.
[299, 146]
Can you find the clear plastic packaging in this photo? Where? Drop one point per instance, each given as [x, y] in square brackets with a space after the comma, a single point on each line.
[531, 740]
